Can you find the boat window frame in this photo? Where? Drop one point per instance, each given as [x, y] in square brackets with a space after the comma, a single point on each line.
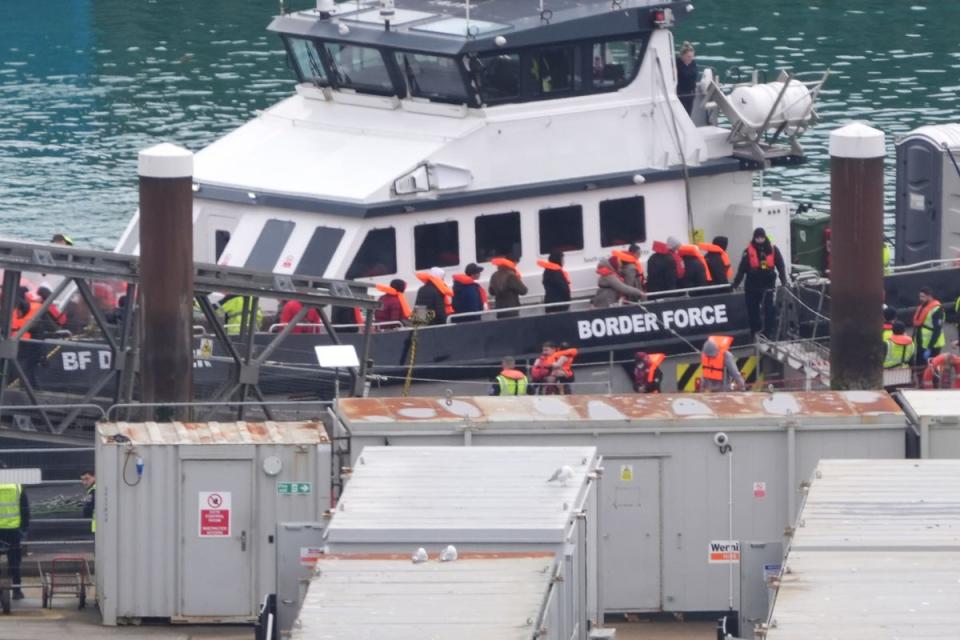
[583, 56]
[392, 229]
[545, 212]
[469, 96]
[292, 58]
[420, 228]
[613, 217]
[514, 217]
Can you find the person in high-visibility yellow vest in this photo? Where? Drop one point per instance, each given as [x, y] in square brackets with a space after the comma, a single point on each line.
[928, 326]
[89, 481]
[14, 521]
[510, 381]
[232, 307]
[899, 348]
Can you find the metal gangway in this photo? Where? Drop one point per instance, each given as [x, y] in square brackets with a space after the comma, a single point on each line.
[74, 273]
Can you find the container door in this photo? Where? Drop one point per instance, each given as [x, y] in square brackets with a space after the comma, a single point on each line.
[217, 549]
[630, 534]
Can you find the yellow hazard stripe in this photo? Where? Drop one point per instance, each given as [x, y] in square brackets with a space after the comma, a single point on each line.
[688, 374]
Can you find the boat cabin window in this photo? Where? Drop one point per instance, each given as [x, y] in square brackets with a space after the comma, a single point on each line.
[498, 76]
[360, 68]
[377, 255]
[622, 221]
[266, 250]
[316, 257]
[554, 70]
[561, 229]
[307, 58]
[221, 239]
[616, 63]
[434, 77]
[436, 245]
[498, 235]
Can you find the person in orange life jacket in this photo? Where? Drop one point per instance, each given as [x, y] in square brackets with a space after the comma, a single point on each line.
[393, 304]
[647, 374]
[942, 371]
[289, 311]
[510, 381]
[889, 317]
[662, 269]
[468, 295]
[506, 287]
[52, 320]
[32, 354]
[631, 268]
[434, 294]
[928, 326]
[694, 267]
[719, 365]
[718, 262]
[610, 285]
[556, 282]
[760, 265]
[553, 366]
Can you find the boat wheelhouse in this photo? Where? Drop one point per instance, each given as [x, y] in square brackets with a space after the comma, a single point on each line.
[442, 133]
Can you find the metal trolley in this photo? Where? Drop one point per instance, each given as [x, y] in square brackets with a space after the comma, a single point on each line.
[67, 576]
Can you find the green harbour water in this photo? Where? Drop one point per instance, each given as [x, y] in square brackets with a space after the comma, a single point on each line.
[85, 84]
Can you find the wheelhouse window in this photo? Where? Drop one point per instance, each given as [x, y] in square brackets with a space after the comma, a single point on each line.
[498, 75]
[266, 250]
[555, 70]
[622, 221]
[498, 235]
[363, 69]
[307, 58]
[433, 77]
[220, 241]
[316, 257]
[377, 255]
[615, 63]
[436, 245]
[561, 229]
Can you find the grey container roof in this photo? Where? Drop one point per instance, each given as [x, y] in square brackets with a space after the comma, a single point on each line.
[441, 495]
[876, 554]
[476, 597]
[932, 403]
[211, 433]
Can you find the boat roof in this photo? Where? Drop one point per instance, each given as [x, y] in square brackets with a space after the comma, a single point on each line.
[621, 411]
[375, 596]
[876, 553]
[461, 495]
[440, 26]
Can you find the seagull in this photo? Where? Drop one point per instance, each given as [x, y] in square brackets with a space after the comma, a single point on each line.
[562, 474]
[449, 554]
[420, 556]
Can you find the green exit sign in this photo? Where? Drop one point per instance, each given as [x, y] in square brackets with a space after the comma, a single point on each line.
[294, 488]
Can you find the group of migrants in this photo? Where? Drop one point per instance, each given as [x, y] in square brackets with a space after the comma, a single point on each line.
[923, 352]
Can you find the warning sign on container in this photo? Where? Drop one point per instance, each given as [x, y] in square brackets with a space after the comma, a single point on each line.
[310, 555]
[214, 514]
[724, 552]
[626, 473]
[759, 489]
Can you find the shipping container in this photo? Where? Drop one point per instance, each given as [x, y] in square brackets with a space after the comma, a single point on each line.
[665, 500]
[478, 596]
[875, 554]
[481, 500]
[934, 417]
[186, 514]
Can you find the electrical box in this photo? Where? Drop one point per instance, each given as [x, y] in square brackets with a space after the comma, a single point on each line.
[808, 239]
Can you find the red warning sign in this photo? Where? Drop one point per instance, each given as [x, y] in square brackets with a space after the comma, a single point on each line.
[214, 514]
[759, 489]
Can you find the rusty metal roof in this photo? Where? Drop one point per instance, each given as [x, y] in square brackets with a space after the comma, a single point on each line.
[634, 408]
[214, 432]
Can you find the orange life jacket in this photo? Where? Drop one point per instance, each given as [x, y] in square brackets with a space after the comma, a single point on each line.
[691, 251]
[656, 359]
[441, 286]
[552, 266]
[513, 374]
[390, 291]
[463, 278]
[936, 365]
[19, 319]
[569, 354]
[920, 315]
[503, 262]
[627, 257]
[713, 366]
[754, 257]
[709, 247]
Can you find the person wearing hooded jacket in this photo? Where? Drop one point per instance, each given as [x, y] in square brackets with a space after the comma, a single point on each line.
[610, 286]
[556, 282]
[760, 266]
[468, 295]
[715, 253]
[506, 287]
[432, 296]
[662, 270]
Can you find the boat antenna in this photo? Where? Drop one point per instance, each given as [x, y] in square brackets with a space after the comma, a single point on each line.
[468, 17]
[387, 12]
